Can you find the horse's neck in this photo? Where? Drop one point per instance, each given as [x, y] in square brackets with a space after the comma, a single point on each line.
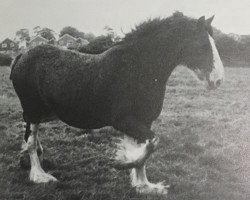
[158, 61]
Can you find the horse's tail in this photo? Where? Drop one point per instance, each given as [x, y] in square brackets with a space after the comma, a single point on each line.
[14, 64]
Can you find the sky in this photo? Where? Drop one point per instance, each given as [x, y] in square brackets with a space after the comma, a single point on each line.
[231, 16]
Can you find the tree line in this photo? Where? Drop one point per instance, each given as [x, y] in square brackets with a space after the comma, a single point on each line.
[234, 49]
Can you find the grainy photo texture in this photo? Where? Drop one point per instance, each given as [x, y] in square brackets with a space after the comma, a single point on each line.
[115, 99]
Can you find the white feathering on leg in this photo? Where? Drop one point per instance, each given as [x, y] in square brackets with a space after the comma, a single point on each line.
[129, 150]
[130, 154]
[37, 174]
[140, 181]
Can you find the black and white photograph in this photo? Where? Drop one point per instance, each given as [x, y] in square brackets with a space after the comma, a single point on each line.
[124, 100]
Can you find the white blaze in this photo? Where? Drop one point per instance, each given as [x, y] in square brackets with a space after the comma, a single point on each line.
[218, 69]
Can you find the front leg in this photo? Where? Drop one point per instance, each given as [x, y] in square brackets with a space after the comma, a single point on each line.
[140, 181]
[134, 128]
[132, 154]
[134, 148]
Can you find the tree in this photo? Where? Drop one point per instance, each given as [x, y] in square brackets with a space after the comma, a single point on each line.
[36, 30]
[71, 31]
[46, 33]
[101, 43]
[23, 34]
[89, 36]
[234, 49]
[5, 60]
[111, 33]
[98, 45]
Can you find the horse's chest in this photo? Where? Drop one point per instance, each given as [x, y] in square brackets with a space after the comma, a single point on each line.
[150, 99]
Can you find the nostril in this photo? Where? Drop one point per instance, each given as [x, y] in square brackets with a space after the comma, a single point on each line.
[218, 83]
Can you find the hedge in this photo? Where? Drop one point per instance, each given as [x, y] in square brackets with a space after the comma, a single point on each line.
[5, 60]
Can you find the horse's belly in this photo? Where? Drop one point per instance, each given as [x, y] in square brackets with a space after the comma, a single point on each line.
[86, 117]
[86, 122]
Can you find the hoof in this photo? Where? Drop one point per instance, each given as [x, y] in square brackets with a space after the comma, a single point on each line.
[39, 176]
[150, 188]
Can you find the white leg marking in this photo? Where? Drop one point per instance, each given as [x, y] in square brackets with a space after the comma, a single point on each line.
[131, 154]
[37, 174]
[39, 144]
[140, 182]
[24, 157]
[40, 150]
[130, 150]
[24, 146]
[138, 176]
[218, 71]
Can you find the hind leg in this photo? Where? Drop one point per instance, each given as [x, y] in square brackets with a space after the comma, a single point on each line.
[37, 174]
[39, 150]
[24, 156]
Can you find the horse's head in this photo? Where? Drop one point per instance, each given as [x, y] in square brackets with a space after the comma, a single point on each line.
[201, 55]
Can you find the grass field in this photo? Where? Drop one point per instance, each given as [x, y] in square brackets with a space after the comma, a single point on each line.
[204, 149]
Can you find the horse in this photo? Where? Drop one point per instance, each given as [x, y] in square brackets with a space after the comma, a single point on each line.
[123, 87]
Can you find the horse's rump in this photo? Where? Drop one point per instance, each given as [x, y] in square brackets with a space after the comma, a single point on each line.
[51, 81]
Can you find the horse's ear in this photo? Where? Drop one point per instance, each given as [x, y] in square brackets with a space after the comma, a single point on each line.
[201, 22]
[209, 21]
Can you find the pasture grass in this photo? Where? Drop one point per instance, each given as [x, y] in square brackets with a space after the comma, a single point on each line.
[204, 151]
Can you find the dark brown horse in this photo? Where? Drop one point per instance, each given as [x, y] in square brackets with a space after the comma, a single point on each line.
[123, 87]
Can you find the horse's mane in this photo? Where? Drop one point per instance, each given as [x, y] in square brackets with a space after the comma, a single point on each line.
[153, 25]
